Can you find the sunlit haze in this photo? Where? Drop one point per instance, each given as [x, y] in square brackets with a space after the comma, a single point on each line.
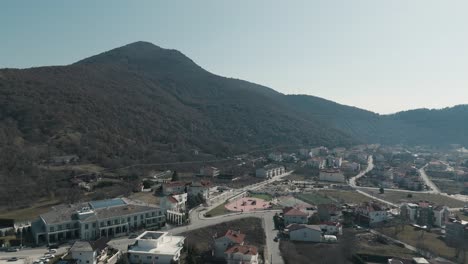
[384, 56]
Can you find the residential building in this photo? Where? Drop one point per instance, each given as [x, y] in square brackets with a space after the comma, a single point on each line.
[294, 216]
[332, 175]
[316, 162]
[209, 171]
[200, 188]
[83, 252]
[305, 153]
[174, 207]
[371, 213]
[228, 240]
[306, 233]
[87, 252]
[441, 215]
[409, 211]
[456, 232]
[92, 220]
[275, 156]
[175, 187]
[334, 162]
[242, 254]
[331, 228]
[156, 247]
[329, 212]
[270, 171]
[319, 151]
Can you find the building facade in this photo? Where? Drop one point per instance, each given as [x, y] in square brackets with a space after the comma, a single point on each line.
[90, 221]
[270, 171]
[156, 247]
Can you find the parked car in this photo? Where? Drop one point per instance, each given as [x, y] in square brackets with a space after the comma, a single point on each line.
[49, 256]
[276, 239]
[12, 249]
[13, 259]
[52, 251]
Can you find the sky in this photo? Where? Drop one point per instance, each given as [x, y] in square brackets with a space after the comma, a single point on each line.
[383, 56]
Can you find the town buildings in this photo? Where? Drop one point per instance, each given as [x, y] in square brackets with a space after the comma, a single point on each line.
[244, 254]
[456, 232]
[269, 171]
[200, 188]
[86, 252]
[305, 233]
[209, 171]
[371, 213]
[156, 247]
[229, 239]
[425, 214]
[332, 175]
[92, 220]
[294, 216]
[174, 207]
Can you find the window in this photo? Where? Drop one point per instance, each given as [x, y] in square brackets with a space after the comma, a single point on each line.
[68, 226]
[52, 229]
[103, 224]
[148, 257]
[135, 218]
[116, 221]
[109, 223]
[86, 226]
[94, 225]
[59, 227]
[141, 217]
[128, 219]
[153, 214]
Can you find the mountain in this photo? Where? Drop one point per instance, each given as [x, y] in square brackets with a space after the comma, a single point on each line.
[144, 104]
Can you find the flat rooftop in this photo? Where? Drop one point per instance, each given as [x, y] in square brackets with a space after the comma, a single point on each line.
[107, 203]
[151, 235]
[170, 245]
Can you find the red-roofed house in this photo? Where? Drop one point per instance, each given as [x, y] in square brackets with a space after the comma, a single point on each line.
[231, 238]
[371, 213]
[242, 254]
[176, 187]
[293, 215]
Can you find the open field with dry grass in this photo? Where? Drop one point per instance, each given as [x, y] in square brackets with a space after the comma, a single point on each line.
[400, 197]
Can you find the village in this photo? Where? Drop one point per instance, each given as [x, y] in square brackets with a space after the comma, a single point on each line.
[376, 202]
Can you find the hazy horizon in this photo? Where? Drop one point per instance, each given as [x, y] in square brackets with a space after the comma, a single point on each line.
[384, 57]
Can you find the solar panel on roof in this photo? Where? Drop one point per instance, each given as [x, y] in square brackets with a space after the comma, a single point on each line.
[107, 203]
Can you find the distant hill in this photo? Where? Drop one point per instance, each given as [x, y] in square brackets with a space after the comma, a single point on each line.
[141, 103]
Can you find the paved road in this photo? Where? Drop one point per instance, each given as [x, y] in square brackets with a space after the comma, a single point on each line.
[370, 166]
[30, 254]
[427, 181]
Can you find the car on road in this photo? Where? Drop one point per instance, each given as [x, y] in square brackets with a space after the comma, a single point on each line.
[12, 249]
[52, 251]
[276, 239]
[12, 259]
[38, 262]
[49, 256]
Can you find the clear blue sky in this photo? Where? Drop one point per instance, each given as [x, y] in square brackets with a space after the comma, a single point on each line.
[384, 56]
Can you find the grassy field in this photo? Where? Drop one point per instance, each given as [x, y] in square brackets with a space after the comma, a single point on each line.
[400, 197]
[367, 244]
[218, 210]
[345, 196]
[422, 239]
[263, 196]
[314, 198]
[448, 186]
[29, 213]
[146, 197]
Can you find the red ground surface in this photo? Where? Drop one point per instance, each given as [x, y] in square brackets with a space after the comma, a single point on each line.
[247, 204]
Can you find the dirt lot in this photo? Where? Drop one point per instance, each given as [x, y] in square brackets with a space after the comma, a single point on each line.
[400, 197]
[202, 239]
[350, 243]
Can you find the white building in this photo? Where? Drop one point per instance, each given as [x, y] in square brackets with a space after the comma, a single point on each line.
[275, 156]
[294, 216]
[316, 162]
[83, 252]
[441, 215]
[156, 247]
[230, 239]
[174, 207]
[269, 171]
[332, 228]
[409, 211]
[242, 254]
[209, 171]
[306, 233]
[95, 219]
[332, 175]
[372, 213]
[200, 188]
